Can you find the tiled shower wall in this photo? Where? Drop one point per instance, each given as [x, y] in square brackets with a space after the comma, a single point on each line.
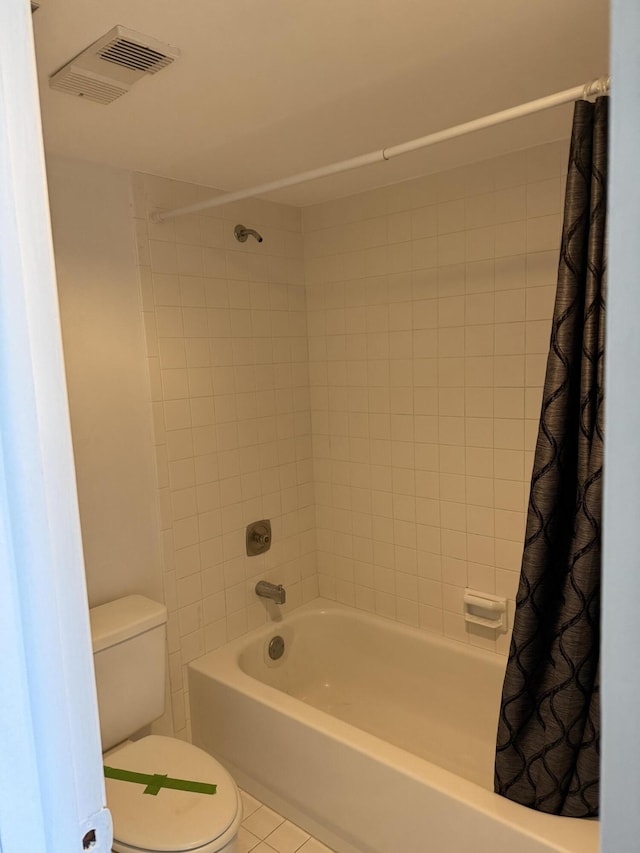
[227, 347]
[416, 362]
[429, 306]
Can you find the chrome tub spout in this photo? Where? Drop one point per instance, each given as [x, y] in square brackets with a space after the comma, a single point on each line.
[271, 591]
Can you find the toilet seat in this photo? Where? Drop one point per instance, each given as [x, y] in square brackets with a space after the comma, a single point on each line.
[173, 821]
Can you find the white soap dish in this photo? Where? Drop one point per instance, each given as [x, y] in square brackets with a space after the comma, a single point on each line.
[482, 608]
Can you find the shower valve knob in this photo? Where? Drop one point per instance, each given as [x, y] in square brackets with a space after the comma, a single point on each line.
[258, 537]
[261, 538]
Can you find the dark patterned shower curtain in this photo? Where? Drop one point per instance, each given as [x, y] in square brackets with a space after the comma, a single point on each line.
[547, 754]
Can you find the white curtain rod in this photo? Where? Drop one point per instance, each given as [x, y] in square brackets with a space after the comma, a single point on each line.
[596, 87]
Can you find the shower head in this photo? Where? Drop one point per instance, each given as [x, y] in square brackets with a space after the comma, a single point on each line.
[241, 233]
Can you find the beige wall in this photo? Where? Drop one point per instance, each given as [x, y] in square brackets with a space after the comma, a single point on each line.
[429, 306]
[107, 378]
[227, 346]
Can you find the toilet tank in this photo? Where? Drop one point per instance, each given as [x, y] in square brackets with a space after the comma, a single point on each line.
[128, 638]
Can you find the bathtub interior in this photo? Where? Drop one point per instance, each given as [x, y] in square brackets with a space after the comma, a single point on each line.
[435, 699]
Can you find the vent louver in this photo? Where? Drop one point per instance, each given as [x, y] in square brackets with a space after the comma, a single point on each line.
[138, 57]
[91, 86]
[111, 65]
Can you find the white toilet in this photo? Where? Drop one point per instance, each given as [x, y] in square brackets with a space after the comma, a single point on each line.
[129, 656]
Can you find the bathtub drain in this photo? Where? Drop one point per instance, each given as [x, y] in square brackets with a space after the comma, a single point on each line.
[276, 647]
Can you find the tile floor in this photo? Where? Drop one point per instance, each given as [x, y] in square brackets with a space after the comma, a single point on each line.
[265, 831]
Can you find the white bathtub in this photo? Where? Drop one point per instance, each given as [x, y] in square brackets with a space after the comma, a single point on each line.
[375, 737]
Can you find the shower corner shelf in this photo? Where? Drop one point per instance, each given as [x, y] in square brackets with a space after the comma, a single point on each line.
[482, 608]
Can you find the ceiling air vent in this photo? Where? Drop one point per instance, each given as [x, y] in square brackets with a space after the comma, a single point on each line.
[111, 65]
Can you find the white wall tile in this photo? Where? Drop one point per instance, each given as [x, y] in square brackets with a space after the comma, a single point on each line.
[427, 311]
[428, 382]
[234, 427]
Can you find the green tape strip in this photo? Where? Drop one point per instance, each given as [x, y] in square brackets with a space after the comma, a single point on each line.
[154, 782]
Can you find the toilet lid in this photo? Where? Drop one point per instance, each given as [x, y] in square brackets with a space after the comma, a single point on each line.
[172, 820]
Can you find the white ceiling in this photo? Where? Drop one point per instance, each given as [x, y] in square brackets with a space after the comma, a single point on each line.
[267, 88]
